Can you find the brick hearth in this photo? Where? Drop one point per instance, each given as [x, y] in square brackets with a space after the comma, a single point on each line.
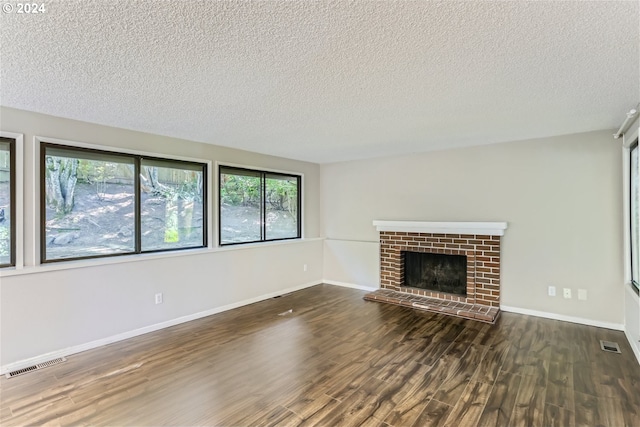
[479, 312]
[482, 301]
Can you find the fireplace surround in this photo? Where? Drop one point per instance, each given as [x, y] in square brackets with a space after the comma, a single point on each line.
[480, 242]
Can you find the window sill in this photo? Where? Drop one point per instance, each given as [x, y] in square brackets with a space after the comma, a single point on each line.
[96, 262]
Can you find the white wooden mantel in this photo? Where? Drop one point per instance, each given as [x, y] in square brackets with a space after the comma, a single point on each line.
[484, 228]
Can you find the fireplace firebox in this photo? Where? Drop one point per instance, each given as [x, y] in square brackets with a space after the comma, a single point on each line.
[435, 272]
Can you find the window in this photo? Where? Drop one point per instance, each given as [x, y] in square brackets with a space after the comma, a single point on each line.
[99, 203]
[634, 204]
[258, 206]
[7, 202]
[172, 205]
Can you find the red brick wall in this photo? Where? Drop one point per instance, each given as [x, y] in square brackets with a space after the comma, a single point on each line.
[483, 263]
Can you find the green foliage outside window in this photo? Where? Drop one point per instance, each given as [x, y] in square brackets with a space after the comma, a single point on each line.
[240, 190]
[258, 206]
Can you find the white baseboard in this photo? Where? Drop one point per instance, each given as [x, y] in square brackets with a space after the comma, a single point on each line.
[10, 367]
[554, 316]
[349, 285]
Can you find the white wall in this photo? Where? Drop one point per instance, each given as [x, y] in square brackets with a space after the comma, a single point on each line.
[561, 197]
[47, 310]
[349, 262]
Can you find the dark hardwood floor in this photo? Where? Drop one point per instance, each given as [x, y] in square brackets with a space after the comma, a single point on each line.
[338, 360]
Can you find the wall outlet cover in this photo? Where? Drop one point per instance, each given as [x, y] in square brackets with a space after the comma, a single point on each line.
[582, 294]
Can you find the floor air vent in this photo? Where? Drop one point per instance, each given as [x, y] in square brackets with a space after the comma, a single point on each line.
[610, 346]
[35, 367]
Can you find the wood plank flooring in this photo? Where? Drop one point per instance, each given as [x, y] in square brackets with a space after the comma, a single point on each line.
[338, 360]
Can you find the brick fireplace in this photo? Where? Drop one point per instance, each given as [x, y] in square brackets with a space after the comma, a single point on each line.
[478, 241]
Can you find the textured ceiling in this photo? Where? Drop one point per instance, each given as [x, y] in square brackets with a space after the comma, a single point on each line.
[327, 81]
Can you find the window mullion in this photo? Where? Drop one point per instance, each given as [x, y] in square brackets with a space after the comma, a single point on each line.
[263, 207]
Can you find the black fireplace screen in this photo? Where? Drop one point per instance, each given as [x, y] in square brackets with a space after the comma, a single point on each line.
[435, 272]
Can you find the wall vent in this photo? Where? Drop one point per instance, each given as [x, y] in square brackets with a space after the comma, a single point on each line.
[35, 367]
[610, 346]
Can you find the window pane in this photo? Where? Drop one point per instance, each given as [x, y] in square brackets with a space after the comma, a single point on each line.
[257, 206]
[172, 205]
[6, 245]
[89, 204]
[240, 206]
[635, 218]
[281, 221]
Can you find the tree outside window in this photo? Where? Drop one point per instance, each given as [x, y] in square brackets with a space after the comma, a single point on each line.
[98, 203]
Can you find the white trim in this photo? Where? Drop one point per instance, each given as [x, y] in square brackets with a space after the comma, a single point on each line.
[331, 239]
[19, 201]
[349, 285]
[626, 216]
[562, 317]
[628, 122]
[632, 133]
[35, 202]
[96, 262]
[145, 330]
[484, 228]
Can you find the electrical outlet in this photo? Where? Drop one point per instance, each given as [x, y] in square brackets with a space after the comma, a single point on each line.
[158, 298]
[552, 291]
[582, 294]
[304, 267]
[566, 292]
